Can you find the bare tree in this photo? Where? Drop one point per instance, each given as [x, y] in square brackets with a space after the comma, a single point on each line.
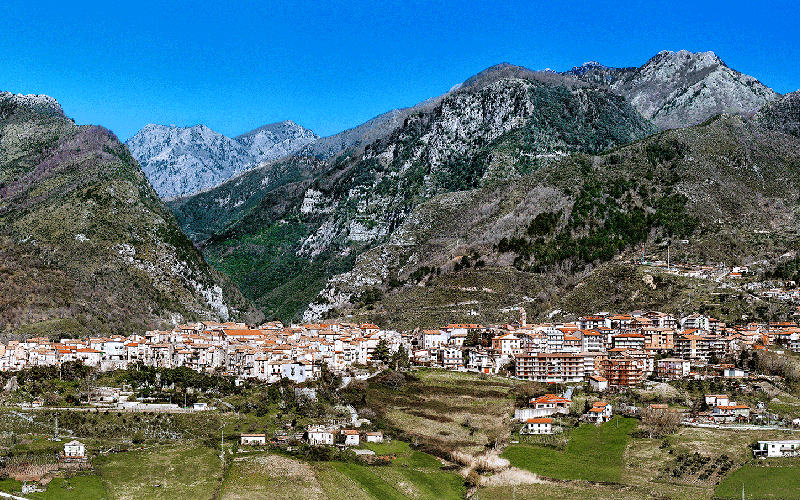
[658, 422]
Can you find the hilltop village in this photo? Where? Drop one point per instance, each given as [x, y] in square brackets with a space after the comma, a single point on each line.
[617, 350]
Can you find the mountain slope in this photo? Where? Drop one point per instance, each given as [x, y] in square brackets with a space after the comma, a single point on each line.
[728, 188]
[180, 161]
[281, 248]
[84, 238]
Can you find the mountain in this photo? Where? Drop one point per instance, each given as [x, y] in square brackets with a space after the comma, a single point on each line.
[180, 161]
[86, 245]
[276, 140]
[724, 191]
[282, 243]
[680, 89]
[513, 188]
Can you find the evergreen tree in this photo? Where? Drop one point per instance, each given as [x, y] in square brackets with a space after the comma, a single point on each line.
[381, 352]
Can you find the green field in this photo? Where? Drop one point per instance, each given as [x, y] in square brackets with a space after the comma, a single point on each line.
[398, 482]
[183, 470]
[594, 453]
[79, 487]
[761, 482]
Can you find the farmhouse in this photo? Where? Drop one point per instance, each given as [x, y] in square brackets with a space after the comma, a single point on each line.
[543, 406]
[537, 426]
[319, 435]
[374, 437]
[599, 412]
[351, 437]
[777, 449]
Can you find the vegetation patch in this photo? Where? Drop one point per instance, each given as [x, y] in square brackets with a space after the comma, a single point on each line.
[761, 482]
[594, 453]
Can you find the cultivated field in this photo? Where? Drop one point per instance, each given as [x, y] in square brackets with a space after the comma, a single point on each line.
[448, 410]
[412, 475]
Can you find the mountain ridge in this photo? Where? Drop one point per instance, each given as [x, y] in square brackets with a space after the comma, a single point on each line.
[84, 238]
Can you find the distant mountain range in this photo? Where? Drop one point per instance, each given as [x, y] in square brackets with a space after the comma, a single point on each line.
[180, 161]
[316, 231]
[672, 90]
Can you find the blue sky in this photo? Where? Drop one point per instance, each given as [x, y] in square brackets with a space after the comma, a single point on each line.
[331, 65]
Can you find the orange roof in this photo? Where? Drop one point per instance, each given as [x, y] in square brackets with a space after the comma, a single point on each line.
[539, 421]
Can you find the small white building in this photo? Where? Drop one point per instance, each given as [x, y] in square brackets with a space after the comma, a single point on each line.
[537, 426]
[599, 412]
[319, 436]
[74, 449]
[599, 384]
[717, 399]
[351, 437]
[253, 439]
[790, 448]
[374, 437]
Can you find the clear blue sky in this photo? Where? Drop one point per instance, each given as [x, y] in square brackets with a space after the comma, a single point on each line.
[331, 65]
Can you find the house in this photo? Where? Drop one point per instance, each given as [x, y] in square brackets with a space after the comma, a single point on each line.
[351, 437]
[253, 439]
[598, 384]
[789, 448]
[374, 437]
[734, 373]
[537, 426]
[730, 413]
[717, 399]
[599, 412]
[543, 406]
[74, 449]
[672, 368]
[319, 435]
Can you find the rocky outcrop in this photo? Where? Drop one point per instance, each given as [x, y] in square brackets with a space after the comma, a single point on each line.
[678, 89]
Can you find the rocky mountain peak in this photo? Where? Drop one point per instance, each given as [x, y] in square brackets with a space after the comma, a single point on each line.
[679, 89]
[39, 103]
[180, 161]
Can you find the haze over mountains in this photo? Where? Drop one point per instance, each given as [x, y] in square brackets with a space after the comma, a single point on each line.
[511, 188]
[180, 161]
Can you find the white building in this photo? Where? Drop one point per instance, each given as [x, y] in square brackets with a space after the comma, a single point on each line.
[253, 439]
[537, 426]
[790, 448]
[74, 449]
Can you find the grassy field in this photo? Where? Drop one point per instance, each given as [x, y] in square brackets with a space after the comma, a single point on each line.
[761, 482]
[184, 470]
[594, 453]
[412, 475]
[78, 487]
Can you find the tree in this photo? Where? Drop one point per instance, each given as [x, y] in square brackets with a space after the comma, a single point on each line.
[400, 358]
[381, 352]
[658, 422]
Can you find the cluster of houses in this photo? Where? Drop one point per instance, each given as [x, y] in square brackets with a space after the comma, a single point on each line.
[606, 350]
[616, 351]
[537, 416]
[269, 352]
